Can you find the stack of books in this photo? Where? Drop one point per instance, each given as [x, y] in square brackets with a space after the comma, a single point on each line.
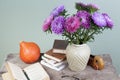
[55, 58]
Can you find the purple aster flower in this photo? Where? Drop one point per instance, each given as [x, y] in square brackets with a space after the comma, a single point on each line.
[99, 19]
[57, 10]
[93, 6]
[47, 23]
[72, 24]
[108, 20]
[85, 18]
[57, 25]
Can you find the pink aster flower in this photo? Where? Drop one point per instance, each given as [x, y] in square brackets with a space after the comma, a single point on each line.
[72, 24]
[47, 23]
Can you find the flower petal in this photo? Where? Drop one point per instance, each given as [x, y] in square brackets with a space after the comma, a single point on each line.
[85, 18]
[57, 25]
[99, 19]
[108, 20]
[47, 23]
[72, 24]
[57, 10]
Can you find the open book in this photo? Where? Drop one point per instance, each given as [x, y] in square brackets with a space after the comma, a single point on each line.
[33, 72]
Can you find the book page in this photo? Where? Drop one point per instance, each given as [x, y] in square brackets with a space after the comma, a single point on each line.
[58, 68]
[36, 72]
[7, 76]
[15, 71]
[53, 62]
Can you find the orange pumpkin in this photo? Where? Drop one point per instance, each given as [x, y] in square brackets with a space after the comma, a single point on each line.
[29, 52]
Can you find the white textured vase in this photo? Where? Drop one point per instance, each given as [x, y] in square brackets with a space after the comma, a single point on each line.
[77, 56]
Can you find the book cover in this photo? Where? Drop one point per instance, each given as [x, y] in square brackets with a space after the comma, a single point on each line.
[54, 56]
[32, 72]
[59, 46]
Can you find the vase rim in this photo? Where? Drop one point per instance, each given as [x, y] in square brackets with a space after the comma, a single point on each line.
[78, 44]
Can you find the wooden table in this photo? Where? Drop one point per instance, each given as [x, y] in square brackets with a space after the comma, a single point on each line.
[108, 73]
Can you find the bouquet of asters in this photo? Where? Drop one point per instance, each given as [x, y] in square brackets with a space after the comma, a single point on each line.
[80, 27]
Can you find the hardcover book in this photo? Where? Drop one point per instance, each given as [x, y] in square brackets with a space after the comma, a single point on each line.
[54, 56]
[33, 72]
[59, 46]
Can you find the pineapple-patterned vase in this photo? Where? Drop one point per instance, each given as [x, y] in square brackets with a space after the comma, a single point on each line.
[77, 56]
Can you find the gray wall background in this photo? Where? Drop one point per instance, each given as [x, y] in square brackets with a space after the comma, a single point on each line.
[22, 20]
